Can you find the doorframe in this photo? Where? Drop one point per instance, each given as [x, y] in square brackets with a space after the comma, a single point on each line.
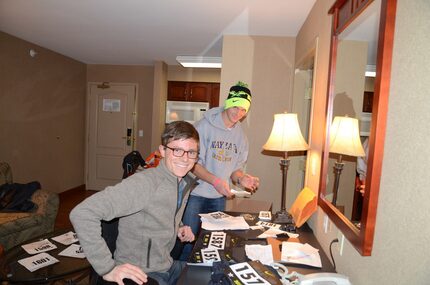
[87, 122]
[312, 52]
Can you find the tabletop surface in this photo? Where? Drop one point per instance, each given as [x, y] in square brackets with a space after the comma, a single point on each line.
[12, 271]
[201, 274]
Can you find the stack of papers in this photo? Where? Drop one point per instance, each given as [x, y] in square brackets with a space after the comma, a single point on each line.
[211, 247]
[241, 193]
[262, 253]
[67, 238]
[39, 246]
[273, 232]
[41, 258]
[251, 272]
[268, 225]
[294, 252]
[218, 221]
[37, 261]
[209, 256]
[75, 250]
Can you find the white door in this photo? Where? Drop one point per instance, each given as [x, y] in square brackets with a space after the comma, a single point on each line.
[110, 131]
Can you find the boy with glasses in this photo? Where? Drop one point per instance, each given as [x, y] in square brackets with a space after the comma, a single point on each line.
[150, 205]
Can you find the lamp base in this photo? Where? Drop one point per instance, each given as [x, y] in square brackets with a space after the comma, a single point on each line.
[283, 217]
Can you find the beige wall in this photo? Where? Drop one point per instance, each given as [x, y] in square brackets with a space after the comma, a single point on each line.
[267, 65]
[400, 250]
[138, 74]
[179, 73]
[403, 211]
[42, 115]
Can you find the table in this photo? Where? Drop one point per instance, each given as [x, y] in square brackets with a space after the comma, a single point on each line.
[69, 270]
[202, 275]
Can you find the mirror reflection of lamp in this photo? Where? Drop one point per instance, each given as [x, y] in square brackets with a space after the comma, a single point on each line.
[285, 137]
[344, 140]
[174, 116]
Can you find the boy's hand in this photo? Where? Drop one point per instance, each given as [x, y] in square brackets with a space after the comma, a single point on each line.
[119, 272]
[250, 182]
[185, 234]
[222, 187]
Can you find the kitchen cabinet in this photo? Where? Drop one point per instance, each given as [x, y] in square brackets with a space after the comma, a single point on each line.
[194, 92]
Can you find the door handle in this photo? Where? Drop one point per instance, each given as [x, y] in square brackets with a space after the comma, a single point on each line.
[129, 136]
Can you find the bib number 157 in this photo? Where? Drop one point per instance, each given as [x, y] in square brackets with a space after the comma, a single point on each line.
[247, 274]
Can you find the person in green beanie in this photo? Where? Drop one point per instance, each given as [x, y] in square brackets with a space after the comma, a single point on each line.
[223, 154]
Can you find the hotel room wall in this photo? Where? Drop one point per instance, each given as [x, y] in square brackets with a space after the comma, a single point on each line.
[42, 115]
[400, 249]
[144, 77]
[267, 65]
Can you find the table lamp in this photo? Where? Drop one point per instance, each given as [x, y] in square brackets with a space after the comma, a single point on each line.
[344, 140]
[285, 137]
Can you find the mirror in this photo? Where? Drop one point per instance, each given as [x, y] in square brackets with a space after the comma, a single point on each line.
[361, 45]
[355, 58]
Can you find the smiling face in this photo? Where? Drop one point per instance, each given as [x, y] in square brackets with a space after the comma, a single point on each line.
[233, 115]
[179, 166]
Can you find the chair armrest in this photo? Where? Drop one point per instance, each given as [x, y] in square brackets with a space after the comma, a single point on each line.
[48, 203]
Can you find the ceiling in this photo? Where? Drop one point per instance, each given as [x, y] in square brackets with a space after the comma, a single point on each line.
[139, 32]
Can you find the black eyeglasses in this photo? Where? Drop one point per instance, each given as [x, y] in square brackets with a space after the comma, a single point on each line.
[178, 152]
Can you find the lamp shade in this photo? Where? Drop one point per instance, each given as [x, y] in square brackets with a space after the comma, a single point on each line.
[285, 135]
[345, 137]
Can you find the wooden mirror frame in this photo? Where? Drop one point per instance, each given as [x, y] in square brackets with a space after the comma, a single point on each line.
[344, 12]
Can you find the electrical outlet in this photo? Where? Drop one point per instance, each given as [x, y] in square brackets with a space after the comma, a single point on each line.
[341, 238]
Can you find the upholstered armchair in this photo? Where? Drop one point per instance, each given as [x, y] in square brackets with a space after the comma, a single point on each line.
[17, 227]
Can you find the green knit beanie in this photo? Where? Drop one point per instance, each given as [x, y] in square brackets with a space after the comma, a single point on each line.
[239, 96]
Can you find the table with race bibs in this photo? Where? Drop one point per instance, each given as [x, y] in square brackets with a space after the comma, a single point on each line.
[195, 273]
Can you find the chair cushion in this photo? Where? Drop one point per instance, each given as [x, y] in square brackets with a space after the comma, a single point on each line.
[16, 222]
[10, 217]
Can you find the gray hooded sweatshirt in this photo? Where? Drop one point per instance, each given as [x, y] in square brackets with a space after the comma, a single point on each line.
[222, 150]
[150, 217]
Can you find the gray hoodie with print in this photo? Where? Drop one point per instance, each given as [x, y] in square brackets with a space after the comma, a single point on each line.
[150, 217]
[222, 150]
